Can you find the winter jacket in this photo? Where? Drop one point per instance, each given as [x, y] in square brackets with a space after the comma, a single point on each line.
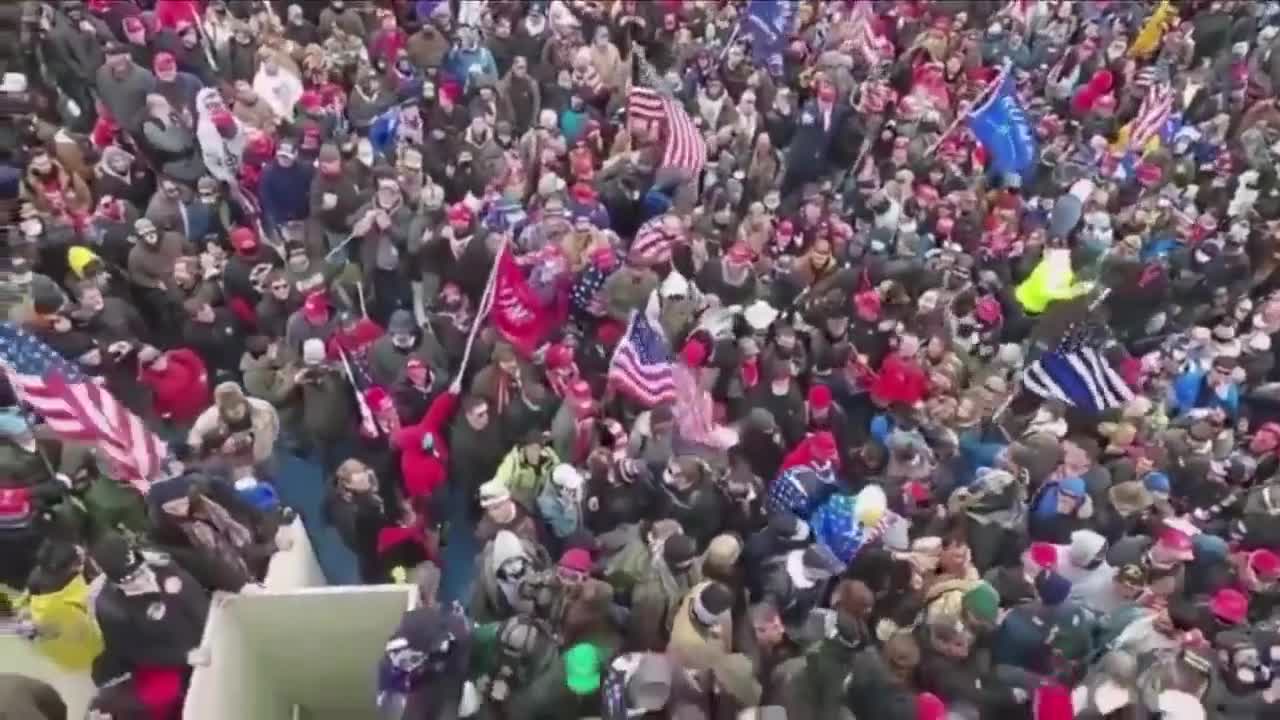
[525, 480]
[68, 633]
[126, 97]
[565, 517]
[327, 405]
[265, 426]
[424, 454]
[283, 193]
[142, 636]
[655, 599]
[181, 390]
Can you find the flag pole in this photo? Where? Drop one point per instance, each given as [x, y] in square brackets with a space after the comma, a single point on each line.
[961, 116]
[485, 301]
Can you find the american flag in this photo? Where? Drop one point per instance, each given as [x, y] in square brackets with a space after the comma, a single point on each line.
[653, 243]
[584, 297]
[357, 370]
[1152, 116]
[641, 366]
[684, 146]
[1076, 373]
[77, 407]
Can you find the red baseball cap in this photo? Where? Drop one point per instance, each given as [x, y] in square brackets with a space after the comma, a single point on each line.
[223, 120]
[316, 305]
[559, 356]
[823, 446]
[576, 559]
[243, 239]
[1176, 543]
[819, 397]
[1265, 564]
[459, 213]
[1229, 605]
[739, 254]
[1044, 555]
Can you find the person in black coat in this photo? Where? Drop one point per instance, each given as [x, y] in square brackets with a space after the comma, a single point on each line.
[808, 156]
[151, 611]
[216, 335]
[201, 521]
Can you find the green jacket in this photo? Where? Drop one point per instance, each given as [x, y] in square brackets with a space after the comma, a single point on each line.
[524, 480]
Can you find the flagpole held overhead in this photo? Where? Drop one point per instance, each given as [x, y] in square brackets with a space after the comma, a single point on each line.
[962, 116]
[485, 300]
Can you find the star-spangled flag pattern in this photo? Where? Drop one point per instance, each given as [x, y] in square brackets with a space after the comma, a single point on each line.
[77, 407]
[584, 296]
[1077, 374]
[641, 367]
[1004, 129]
[653, 243]
[1152, 116]
[835, 524]
[683, 146]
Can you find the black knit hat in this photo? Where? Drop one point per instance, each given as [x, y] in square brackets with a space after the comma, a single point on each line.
[679, 550]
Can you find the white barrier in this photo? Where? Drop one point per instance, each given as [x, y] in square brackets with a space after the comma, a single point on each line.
[289, 570]
[309, 653]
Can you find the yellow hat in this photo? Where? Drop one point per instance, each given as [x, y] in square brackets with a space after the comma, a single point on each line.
[79, 257]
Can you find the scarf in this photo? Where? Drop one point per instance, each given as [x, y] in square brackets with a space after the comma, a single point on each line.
[219, 533]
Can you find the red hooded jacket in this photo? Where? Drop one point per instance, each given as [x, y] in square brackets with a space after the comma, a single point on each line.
[424, 470]
[182, 388]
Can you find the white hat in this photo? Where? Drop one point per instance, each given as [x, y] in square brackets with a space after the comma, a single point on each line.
[313, 351]
[675, 285]
[760, 315]
[13, 83]
[493, 493]
[566, 476]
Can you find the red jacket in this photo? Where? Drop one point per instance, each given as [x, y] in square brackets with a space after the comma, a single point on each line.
[182, 388]
[424, 470]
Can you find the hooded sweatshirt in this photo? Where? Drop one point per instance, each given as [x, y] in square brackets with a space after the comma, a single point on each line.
[221, 155]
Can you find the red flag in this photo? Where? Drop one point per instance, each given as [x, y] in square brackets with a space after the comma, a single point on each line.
[515, 308]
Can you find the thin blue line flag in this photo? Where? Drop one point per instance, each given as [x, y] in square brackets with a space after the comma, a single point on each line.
[1004, 130]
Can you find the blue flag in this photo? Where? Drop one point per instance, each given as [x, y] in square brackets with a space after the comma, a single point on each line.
[769, 22]
[1004, 130]
[384, 130]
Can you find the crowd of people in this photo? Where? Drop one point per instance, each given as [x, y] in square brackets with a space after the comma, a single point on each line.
[835, 419]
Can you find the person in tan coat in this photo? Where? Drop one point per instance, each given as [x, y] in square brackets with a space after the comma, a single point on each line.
[248, 425]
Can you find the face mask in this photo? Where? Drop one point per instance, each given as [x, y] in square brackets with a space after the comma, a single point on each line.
[404, 342]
